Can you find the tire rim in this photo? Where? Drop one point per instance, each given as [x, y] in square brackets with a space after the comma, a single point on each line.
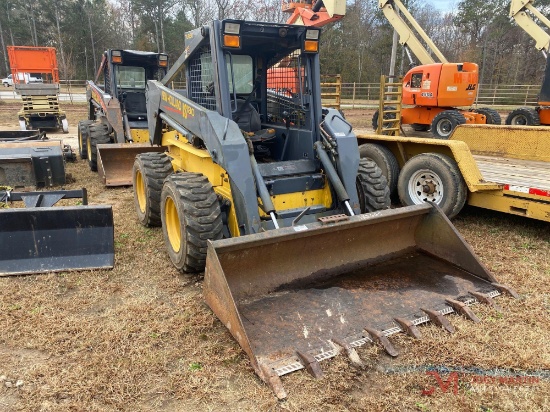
[140, 191]
[89, 148]
[425, 186]
[172, 223]
[519, 120]
[444, 127]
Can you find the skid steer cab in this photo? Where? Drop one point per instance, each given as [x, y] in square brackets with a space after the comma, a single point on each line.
[265, 190]
[117, 113]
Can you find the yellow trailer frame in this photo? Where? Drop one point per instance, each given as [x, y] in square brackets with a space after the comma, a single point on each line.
[480, 151]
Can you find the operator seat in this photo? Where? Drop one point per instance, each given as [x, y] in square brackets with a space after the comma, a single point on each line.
[249, 121]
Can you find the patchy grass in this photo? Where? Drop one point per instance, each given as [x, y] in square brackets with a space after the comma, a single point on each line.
[140, 337]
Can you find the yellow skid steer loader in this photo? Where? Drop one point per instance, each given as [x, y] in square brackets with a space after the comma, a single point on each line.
[265, 190]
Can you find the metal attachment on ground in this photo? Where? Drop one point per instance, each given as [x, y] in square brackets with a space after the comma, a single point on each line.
[311, 364]
[484, 298]
[506, 289]
[463, 309]
[383, 340]
[333, 219]
[409, 328]
[351, 352]
[273, 380]
[47, 199]
[68, 153]
[440, 320]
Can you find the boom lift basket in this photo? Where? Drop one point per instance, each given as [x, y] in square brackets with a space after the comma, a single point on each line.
[41, 238]
[295, 296]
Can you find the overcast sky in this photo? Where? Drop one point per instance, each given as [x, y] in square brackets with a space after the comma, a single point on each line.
[444, 5]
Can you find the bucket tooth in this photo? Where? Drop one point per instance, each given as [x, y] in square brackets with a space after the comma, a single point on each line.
[351, 352]
[409, 328]
[310, 364]
[463, 309]
[383, 340]
[273, 381]
[506, 289]
[484, 298]
[440, 320]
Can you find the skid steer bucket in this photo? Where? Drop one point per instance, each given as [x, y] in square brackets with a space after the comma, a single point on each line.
[41, 238]
[115, 162]
[295, 296]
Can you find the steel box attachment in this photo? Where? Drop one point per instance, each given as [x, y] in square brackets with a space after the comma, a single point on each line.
[53, 239]
[115, 161]
[32, 163]
[295, 296]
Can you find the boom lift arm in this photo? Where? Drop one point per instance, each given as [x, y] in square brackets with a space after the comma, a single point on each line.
[407, 36]
[519, 11]
[316, 14]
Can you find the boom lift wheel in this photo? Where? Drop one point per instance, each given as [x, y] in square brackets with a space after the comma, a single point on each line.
[150, 170]
[387, 116]
[385, 160]
[372, 187]
[491, 115]
[83, 133]
[191, 215]
[433, 178]
[445, 122]
[99, 134]
[523, 116]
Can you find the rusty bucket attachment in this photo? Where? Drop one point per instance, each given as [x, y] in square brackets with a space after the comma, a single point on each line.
[115, 161]
[40, 238]
[296, 296]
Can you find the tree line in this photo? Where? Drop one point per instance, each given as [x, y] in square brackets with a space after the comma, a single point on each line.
[358, 46]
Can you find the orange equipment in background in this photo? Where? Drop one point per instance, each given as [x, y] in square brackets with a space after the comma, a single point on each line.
[29, 59]
[40, 95]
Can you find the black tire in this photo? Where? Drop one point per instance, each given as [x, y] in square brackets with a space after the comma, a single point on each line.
[433, 178]
[83, 133]
[417, 127]
[523, 116]
[376, 116]
[372, 187]
[150, 170]
[99, 134]
[445, 122]
[191, 215]
[385, 160]
[491, 115]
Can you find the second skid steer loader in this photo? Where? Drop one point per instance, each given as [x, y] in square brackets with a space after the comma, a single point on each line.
[267, 190]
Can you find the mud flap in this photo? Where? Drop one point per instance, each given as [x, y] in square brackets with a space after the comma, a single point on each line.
[115, 161]
[53, 239]
[296, 296]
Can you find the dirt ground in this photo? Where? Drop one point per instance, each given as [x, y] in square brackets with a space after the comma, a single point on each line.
[140, 337]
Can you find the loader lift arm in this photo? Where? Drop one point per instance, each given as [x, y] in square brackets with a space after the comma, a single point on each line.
[524, 14]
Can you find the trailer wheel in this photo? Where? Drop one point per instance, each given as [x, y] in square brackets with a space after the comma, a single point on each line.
[99, 134]
[83, 132]
[385, 160]
[433, 178]
[445, 122]
[150, 170]
[372, 187]
[191, 215]
[387, 116]
[523, 116]
[491, 115]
